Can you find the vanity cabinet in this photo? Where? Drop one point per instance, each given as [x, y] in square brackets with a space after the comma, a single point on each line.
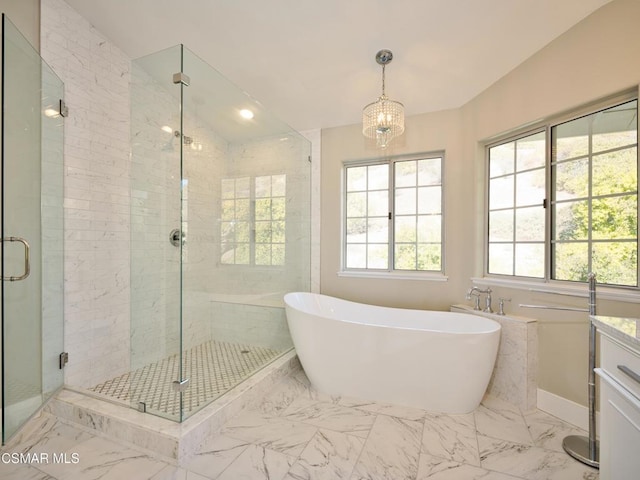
[619, 408]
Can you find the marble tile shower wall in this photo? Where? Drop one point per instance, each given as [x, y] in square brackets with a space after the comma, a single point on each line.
[96, 77]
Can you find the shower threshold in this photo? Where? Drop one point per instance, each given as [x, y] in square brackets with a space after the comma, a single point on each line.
[212, 368]
[173, 441]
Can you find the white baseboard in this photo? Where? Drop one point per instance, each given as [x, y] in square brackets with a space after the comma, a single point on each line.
[566, 410]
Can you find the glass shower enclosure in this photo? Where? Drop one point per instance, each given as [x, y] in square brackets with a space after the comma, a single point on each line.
[32, 231]
[220, 230]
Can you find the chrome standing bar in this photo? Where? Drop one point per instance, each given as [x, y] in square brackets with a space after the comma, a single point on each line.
[584, 449]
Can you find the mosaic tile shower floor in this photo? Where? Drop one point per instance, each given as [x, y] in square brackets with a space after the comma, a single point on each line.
[212, 367]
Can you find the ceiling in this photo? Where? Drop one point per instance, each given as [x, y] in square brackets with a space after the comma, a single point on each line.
[312, 62]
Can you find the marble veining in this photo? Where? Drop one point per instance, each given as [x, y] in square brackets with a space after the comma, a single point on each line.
[294, 433]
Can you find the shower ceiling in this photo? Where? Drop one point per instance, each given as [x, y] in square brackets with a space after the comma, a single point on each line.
[311, 62]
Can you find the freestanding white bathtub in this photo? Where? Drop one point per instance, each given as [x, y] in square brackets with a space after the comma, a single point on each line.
[437, 361]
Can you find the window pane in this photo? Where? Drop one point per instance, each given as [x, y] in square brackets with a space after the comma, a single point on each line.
[615, 127]
[405, 229]
[501, 192]
[278, 206]
[278, 185]
[263, 187]
[530, 224]
[571, 139]
[242, 255]
[502, 159]
[378, 177]
[356, 179]
[430, 228]
[571, 261]
[242, 187]
[530, 152]
[501, 258]
[530, 188]
[263, 254]
[429, 257]
[263, 232]
[572, 179]
[277, 232]
[277, 254]
[242, 232]
[227, 254]
[571, 221]
[227, 230]
[377, 256]
[356, 230]
[378, 205]
[378, 231]
[406, 174]
[405, 257]
[615, 172]
[405, 201]
[429, 200]
[615, 217]
[356, 256]
[430, 171]
[356, 204]
[615, 263]
[530, 260]
[228, 209]
[243, 209]
[263, 209]
[501, 226]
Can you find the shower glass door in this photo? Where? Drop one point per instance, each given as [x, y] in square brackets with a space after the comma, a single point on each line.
[32, 231]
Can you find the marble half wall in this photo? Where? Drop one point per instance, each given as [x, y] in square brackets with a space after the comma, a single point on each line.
[515, 375]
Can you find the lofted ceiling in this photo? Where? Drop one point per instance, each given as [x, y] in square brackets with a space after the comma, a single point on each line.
[312, 62]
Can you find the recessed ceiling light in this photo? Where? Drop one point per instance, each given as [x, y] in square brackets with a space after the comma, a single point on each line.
[167, 129]
[246, 114]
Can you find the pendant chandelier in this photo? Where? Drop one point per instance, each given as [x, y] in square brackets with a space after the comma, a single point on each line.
[383, 120]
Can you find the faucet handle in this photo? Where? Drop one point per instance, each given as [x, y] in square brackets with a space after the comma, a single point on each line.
[501, 305]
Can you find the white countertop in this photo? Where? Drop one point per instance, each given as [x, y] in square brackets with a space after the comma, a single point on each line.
[626, 330]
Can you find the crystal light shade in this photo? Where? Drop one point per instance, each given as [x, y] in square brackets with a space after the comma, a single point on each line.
[383, 120]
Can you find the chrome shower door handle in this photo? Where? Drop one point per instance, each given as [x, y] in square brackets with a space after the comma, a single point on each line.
[27, 261]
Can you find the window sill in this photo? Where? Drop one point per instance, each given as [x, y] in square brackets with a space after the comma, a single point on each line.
[602, 293]
[428, 277]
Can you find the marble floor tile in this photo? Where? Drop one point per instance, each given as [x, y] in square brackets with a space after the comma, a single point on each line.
[452, 437]
[258, 463]
[215, 455]
[408, 413]
[530, 462]
[51, 436]
[435, 468]
[10, 471]
[99, 458]
[171, 472]
[548, 431]
[279, 434]
[498, 419]
[331, 416]
[392, 450]
[328, 456]
[281, 396]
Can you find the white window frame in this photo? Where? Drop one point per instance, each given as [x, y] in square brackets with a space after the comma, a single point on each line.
[548, 284]
[390, 271]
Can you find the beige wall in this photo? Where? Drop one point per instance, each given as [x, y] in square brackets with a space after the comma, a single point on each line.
[25, 15]
[595, 59]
